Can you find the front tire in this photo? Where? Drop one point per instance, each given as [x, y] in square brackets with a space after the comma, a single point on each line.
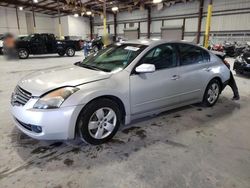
[99, 121]
[61, 54]
[23, 53]
[212, 93]
[70, 52]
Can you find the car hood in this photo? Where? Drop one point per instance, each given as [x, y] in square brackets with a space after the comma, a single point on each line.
[41, 82]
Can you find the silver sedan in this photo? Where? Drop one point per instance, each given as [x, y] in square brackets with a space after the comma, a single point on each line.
[115, 86]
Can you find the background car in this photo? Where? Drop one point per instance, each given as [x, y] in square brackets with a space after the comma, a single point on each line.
[46, 43]
[1, 43]
[242, 63]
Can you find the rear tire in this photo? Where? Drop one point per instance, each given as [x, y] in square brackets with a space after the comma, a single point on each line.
[212, 93]
[23, 53]
[99, 121]
[70, 52]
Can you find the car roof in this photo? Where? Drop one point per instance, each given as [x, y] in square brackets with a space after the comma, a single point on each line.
[153, 42]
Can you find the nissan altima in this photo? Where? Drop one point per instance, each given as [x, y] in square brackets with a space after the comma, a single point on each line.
[115, 86]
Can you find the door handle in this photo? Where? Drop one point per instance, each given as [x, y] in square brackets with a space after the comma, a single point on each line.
[175, 77]
[208, 69]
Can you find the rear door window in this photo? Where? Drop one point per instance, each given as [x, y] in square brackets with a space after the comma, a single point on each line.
[190, 55]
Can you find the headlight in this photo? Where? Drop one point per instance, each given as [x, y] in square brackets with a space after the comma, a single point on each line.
[55, 98]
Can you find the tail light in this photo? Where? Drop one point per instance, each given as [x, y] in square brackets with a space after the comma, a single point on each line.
[227, 64]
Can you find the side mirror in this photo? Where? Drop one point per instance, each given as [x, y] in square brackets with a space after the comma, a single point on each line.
[145, 68]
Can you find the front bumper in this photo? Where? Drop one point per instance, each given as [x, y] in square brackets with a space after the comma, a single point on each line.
[242, 67]
[56, 124]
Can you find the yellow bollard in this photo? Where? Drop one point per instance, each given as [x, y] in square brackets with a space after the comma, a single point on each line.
[208, 24]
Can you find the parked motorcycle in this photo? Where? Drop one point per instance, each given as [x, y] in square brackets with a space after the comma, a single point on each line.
[229, 48]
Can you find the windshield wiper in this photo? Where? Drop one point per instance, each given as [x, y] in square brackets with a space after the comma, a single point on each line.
[91, 67]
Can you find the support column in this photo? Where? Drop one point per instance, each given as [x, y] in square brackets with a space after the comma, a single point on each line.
[91, 26]
[183, 28]
[139, 30]
[104, 23]
[59, 20]
[149, 22]
[18, 24]
[200, 21]
[34, 20]
[115, 25]
[208, 23]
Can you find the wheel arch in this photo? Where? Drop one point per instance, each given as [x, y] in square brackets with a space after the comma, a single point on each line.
[116, 99]
[220, 81]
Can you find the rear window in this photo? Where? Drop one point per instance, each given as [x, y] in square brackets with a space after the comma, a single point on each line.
[190, 54]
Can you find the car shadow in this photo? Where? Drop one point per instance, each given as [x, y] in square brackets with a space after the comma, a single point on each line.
[245, 75]
[131, 139]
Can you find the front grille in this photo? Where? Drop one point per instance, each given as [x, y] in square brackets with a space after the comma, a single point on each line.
[20, 97]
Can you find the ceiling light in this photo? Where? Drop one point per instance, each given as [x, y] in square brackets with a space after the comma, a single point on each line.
[157, 1]
[76, 15]
[88, 13]
[20, 8]
[115, 9]
[35, 1]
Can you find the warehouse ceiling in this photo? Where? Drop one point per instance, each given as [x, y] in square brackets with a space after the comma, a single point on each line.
[66, 7]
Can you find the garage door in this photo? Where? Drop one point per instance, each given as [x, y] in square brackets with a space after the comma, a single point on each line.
[131, 34]
[172, 33]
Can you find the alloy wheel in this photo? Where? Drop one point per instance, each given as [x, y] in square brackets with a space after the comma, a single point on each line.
[213, 93]
[70, 52]
[102, 123]
[23, 53]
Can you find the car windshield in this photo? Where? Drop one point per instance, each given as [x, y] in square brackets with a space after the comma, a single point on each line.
[27, 38]
[114, 57]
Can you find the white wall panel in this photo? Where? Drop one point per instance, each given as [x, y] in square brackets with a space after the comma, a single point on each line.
[120, 28]
[64, 26]
[143, 26]
[136, 14]
[156, 26]
[191, 25]
[228, 22]
[111, 29]
[44, 24]
[228, 4]
[8, 21]
[173, 22]
[78, 26]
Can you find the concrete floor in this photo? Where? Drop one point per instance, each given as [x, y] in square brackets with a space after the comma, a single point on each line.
[189, 147]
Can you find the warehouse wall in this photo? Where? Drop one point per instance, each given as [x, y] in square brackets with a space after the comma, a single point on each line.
[230, 19]
[78, 26]
[44, 24]
[8, 21]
